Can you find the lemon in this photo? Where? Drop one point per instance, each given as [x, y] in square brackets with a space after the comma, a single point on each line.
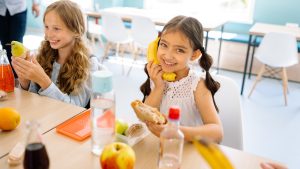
[17, 49]
[9, 118]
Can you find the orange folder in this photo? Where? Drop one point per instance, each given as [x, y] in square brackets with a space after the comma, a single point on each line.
[78, 127]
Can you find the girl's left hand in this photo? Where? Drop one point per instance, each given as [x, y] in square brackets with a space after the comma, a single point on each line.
[156, 129]
[33, 71]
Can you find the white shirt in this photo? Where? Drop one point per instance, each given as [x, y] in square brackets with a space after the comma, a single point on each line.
[14, 6]
[181, 93]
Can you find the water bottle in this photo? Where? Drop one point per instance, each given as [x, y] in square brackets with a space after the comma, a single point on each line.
[35, 152]
[171, 142]
[103, 110]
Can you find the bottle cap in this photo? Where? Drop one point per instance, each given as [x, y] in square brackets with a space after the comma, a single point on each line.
[102, 81]
[174, 112]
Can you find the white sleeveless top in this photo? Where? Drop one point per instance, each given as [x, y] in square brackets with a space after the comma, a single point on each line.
[181, 93]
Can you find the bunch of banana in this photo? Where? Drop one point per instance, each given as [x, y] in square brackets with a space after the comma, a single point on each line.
[152, 55]
[212, 154]
[17, 49]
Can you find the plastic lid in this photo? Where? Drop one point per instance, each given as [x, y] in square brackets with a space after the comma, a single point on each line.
[174, 112]
[102, 81]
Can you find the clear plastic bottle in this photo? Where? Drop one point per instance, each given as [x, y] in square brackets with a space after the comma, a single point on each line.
[35, 152]
[171, 142]
[103, 110]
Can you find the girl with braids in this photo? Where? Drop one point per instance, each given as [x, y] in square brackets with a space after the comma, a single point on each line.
[62, 66]
[181, 41]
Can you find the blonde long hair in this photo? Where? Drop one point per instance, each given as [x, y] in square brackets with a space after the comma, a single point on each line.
[76, 68]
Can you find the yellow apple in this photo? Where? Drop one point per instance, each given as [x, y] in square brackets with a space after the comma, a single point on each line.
[117, 155]
[18, 49]
[121, 126]
[9, 118]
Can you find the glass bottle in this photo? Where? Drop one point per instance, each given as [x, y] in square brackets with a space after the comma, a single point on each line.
[36, 156]
[7, 80]
[103, 110]
[171, 142]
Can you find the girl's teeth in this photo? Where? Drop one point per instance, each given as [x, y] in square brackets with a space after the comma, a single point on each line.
[169, 63]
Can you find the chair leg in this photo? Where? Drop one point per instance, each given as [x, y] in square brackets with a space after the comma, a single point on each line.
[121, 49]
[108, 45]
[285, 84]
[135, 57]
[261, 72]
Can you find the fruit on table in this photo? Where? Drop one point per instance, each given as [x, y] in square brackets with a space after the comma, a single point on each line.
[9, 118]
[117, 155]
[212, 154]
[152, 55]
[121, 126]
[18, 49]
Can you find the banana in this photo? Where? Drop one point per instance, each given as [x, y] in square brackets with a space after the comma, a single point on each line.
[152, 55]
[17, 49]
[152, 51]
[212, 154]
[220, 156]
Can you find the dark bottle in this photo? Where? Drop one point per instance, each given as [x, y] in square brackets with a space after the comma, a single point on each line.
[36, 156]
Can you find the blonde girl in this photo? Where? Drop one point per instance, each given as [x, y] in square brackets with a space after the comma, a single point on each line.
[62, 66]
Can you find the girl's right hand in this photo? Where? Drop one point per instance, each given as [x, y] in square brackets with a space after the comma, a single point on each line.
[155, 72]
[271, 165]
[22, 80]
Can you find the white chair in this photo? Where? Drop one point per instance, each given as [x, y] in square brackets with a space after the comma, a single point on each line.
[115, 32]
[95, 31]
[277, 50]
[143, 32]
[230, 112]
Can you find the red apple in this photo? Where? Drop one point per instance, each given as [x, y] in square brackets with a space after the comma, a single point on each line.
[117, 155]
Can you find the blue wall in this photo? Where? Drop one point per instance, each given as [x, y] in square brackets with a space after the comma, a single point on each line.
[268, 11]
[277, 11]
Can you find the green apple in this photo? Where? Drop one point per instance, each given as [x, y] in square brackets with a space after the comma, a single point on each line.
[117, 155]
[121, 126]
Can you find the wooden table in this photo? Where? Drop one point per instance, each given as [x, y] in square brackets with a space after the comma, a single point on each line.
[259, 30]
[48, 112]
[67, 153]
[162, 17]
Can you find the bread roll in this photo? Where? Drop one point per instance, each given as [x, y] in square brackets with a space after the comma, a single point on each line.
[147, 113]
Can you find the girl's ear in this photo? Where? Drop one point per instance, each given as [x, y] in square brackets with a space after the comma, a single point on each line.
[196, 54]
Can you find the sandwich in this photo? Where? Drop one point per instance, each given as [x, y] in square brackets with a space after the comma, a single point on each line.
[147, 113]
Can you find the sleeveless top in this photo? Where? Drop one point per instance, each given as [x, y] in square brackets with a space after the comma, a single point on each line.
[181, 93]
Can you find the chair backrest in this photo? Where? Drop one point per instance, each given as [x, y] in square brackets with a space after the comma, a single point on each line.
[113, 28]
[143, 31]
[278, 50]
[230, 112]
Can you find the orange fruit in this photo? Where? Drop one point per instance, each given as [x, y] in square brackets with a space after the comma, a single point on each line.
[9, 118]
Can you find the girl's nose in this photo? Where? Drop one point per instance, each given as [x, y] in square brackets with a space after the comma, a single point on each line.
[168, 54]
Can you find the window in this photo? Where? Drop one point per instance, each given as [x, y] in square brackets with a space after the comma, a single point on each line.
[233, 10]
[87, 4]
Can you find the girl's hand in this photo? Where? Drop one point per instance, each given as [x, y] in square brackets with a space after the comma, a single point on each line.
[156, 129]
[272, 166]
[155, 72]
[31, 70]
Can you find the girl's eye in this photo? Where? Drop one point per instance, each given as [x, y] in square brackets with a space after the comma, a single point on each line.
[46, 27]
[56, 29]
[161, 44]
[180, 51]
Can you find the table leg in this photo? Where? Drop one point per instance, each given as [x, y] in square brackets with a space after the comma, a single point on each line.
[206, 40]
[246, 63]
[252, 56]
[220, 46]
